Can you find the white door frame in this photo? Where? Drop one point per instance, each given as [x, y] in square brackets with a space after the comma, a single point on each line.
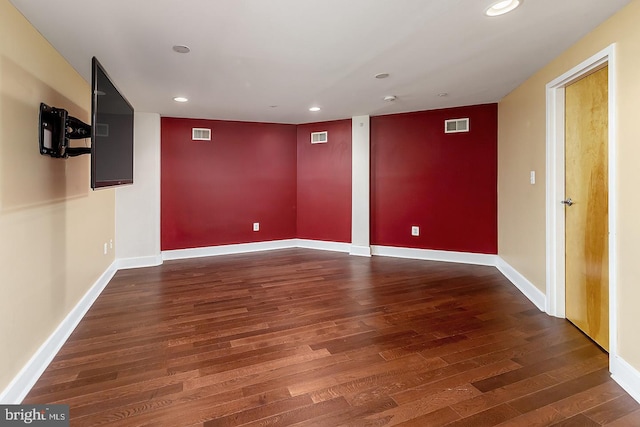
[555, 304]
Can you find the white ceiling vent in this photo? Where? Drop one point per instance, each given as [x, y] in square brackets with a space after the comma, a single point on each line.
[456, 125]
[201, 134]
[319, 137]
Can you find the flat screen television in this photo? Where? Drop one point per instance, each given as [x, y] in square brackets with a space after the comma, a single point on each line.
[111, 132]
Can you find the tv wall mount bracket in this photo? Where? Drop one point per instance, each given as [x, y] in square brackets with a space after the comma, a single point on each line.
[57, 127]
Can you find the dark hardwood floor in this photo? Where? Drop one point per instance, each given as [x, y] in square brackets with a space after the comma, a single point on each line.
[302, 337]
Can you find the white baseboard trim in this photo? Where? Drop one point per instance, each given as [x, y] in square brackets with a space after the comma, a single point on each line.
[322, 245]
[138, 262]
[29, 374]
[526, 287]
[360, 250]
[433, 255]
[255, 247]
[239, 248]
[625, 375]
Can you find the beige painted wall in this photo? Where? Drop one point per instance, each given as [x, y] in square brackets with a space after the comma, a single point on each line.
[52, 226]
[521, 148]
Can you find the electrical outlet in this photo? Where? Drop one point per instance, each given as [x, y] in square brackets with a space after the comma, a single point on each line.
[105, 248]
[532, 177]
[110, 243]
[415, 230]
[256, 226]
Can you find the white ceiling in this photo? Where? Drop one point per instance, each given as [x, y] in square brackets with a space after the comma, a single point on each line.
[270, 60]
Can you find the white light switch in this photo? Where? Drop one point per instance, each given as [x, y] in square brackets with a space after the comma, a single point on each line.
[256, 226]
[532, 177]
[415, 230]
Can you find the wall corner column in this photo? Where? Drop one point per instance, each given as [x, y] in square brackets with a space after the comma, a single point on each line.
[138, 205]
[360, 181]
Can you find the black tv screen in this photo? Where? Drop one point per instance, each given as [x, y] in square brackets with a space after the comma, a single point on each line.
[111, 132]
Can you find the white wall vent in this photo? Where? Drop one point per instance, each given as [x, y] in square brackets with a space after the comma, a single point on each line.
[456, 125]
[319, 137]
[201, 134]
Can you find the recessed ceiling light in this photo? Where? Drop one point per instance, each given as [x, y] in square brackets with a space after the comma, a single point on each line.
[390, 98]
[443, 94]
[180, 99]
[503, 6]
[381, 76]
[314, 109]
[181, 48]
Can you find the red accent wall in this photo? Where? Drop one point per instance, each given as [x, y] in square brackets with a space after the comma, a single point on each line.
[213, 191]
[444, 183]
[324, 182]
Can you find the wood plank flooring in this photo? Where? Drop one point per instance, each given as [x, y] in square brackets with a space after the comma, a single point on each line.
[312, 338]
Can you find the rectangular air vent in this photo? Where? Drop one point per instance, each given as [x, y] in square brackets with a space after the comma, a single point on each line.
[319, 137]
[201, 134]
[456, 125]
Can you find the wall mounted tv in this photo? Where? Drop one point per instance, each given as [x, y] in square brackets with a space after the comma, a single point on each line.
[111, 132]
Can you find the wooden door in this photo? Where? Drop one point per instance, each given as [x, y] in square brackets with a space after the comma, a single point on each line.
[586, 220]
